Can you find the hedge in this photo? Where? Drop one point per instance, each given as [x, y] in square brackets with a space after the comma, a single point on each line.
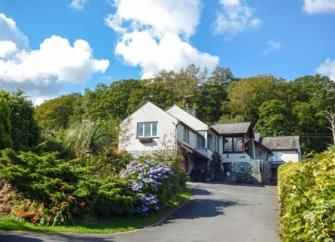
[307, 199]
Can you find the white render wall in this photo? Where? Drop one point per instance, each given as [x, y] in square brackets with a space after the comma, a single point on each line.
[166, 131]
[180, 134]
[285, 156]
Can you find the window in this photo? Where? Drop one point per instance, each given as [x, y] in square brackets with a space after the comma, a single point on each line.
[200, 141]
[186, 135]
[238, 144]
[228, 144]
[233, 144]
[147, 129]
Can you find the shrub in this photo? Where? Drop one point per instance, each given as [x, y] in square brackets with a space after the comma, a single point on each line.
[155, 181]
[53, 191]
[307, 198]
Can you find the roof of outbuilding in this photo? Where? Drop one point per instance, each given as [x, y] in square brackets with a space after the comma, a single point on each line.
[281, 142]
[232, 128]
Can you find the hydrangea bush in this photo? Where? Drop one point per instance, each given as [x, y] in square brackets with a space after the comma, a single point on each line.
[151, 181]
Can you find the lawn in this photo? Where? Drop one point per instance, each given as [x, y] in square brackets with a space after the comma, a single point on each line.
[114, 225]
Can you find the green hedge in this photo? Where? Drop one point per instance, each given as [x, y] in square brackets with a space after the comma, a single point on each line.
[307, 198]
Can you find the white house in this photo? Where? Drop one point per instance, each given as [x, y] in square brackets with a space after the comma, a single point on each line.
[151, 129]
[148, 129]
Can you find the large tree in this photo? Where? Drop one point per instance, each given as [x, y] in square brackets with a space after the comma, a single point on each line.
[24, 129]
[57, 113]
[247, 95]
[274, 119]
[109, 101]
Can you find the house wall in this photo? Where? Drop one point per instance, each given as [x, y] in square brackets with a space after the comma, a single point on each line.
[166, 131]
[192, 136]
[285, 156]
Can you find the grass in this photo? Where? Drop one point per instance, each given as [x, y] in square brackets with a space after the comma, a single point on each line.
[114, 225]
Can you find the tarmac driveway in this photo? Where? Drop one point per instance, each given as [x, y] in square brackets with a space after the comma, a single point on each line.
[217, 212]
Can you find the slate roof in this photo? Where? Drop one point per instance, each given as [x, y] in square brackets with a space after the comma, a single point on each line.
[281, 142]
[232, 128]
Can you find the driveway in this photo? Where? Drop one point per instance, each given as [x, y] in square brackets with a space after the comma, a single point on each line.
[217, 212]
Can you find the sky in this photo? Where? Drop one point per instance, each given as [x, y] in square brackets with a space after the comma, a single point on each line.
[54, 47]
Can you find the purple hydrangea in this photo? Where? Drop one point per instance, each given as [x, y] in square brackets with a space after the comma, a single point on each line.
[145, 178]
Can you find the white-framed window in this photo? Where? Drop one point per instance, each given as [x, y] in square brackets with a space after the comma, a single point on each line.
[186, 135]
[146, 129]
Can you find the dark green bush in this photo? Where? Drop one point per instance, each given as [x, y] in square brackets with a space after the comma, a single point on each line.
[52, 191]
[307, 198]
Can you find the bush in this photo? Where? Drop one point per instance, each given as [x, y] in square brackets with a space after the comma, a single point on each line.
[53, 191]
[156, 181]
[307, 198]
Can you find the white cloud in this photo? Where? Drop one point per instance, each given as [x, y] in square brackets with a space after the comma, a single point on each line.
[78, 4]
[7, 48]
[327, 68]
[271, 46]
[44, 71]
[154, 34]
[235, 16]
[319, 6]
[10, 32]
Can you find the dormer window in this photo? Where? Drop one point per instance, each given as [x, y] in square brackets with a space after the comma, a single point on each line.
[146, 129]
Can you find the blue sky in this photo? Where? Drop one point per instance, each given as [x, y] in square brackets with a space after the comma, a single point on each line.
[122, 39]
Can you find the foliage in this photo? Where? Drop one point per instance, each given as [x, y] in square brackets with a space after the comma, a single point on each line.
[274, 118]
[155, 182]
[97, 226]
[306, 194]
[246, 95]
[109, 102]
[24, 129]
[88, 137]
[57, 113]
[5, 124]
[53, 191]
[208, 100]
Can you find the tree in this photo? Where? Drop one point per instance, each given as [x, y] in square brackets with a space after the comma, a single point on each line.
[274, 119]
[25, 132]
[109, 101]
[221, 76]
[57, 113]
[246, 96]
[156, 92]
[208, 101]
[331, 119]
[5, 124]
[183, 83]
